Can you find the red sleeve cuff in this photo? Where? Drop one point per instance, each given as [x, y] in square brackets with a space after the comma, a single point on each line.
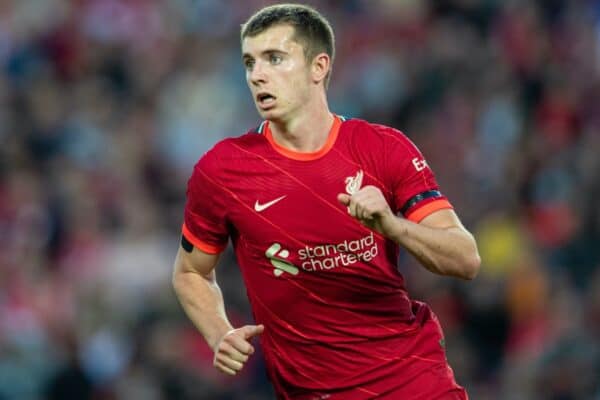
[419, 213]
[205, 247]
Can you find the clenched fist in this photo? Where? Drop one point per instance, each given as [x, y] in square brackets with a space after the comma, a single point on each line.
[368, 205]
[234, 348]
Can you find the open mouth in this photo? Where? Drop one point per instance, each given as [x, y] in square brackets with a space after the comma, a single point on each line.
[265, 99]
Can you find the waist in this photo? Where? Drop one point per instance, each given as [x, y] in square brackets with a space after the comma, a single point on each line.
[363, 356]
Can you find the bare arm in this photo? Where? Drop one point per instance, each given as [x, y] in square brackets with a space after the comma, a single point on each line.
[440, 242]
[196, 287]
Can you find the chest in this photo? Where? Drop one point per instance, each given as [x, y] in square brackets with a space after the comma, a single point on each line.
[297, 202]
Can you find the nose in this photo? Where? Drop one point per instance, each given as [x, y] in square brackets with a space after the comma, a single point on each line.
[257, 74]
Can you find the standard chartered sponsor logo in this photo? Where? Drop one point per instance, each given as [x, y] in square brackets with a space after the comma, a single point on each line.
[343, 254]
[323, 257]
[278, 260]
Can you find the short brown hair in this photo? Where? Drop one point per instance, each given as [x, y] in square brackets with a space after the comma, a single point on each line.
[311, 29]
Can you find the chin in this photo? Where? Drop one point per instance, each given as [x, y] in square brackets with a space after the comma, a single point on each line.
[269, 114]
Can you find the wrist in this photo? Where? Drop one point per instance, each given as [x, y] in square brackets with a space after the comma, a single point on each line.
[218, 335]
[395, 228]
[220, 340]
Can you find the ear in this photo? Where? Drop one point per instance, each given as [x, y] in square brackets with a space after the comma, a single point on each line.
[320, 67]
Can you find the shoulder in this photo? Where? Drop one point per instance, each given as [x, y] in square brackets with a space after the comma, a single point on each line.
[231, 153]
[373, 133]
[362, 127]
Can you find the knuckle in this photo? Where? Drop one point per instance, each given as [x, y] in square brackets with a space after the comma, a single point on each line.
[224, 348]
[229, 338]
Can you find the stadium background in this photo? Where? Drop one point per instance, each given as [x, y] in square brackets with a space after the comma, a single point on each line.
[105, 105]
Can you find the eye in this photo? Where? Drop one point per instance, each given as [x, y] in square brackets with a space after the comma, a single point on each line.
[275, 59]
[248, 64]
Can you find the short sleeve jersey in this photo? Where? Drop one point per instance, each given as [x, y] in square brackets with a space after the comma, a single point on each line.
[320, 281]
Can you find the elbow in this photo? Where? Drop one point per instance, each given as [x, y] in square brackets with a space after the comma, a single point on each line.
[471, 262]
[471, 267]
[464, 263]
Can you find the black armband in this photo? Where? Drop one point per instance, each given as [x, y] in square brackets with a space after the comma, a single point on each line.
[420, 197]
[186, 244]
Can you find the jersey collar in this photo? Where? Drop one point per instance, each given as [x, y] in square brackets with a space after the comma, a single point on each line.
[301, 156]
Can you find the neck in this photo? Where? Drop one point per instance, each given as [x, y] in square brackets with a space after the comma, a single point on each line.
[307, 131]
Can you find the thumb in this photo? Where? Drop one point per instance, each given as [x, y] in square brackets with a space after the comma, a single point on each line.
[344, 198]
[250, 331]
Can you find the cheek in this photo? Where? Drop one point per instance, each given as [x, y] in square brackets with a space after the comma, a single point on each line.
[298, 91]
[301, 83]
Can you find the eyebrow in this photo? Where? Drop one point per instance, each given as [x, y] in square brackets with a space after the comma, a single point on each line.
[267, 51]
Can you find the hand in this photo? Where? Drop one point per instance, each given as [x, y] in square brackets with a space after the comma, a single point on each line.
[234, 348]
[368, 205]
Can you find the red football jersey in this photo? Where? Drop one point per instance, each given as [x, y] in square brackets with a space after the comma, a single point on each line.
[336, 312]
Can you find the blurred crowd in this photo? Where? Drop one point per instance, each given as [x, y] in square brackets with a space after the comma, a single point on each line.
[105, 105]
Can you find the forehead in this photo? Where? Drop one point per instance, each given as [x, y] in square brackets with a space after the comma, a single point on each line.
[279, 37]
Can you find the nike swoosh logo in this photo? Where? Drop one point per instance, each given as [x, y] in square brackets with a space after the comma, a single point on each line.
[261, 207]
